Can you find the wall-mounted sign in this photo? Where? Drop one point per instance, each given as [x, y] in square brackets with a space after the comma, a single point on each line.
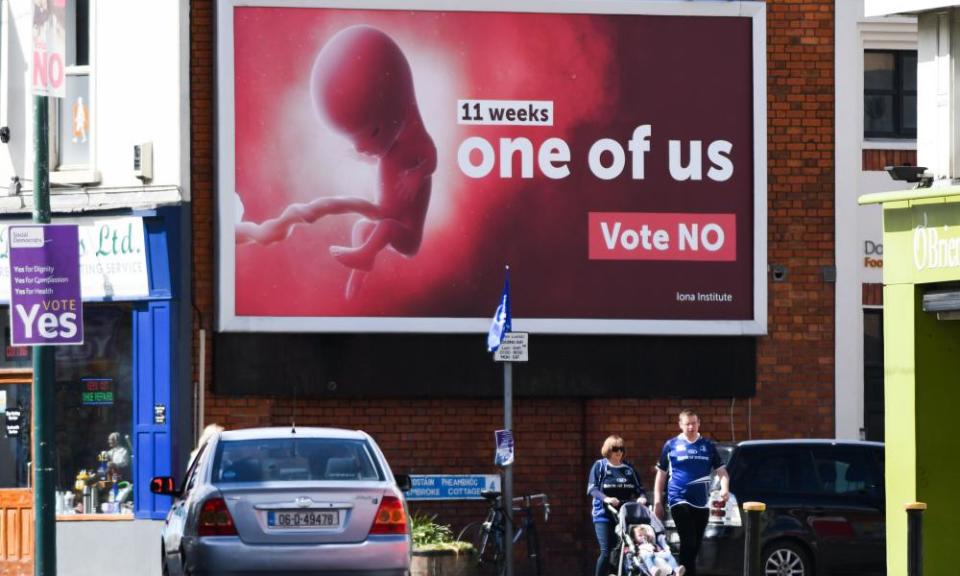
[97, 391]
[936, 247]
[159, 413]
[113, 258]
[13, 422]
[45, 303]
[625, 196]
[451, 486]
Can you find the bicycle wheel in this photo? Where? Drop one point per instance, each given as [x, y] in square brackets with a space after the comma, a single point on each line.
[533, 550]
[488, 544]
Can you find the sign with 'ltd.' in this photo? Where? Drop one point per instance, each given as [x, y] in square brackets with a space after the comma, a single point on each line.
[45, 303]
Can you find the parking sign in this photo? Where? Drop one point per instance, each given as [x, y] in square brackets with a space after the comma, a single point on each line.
[45, 303]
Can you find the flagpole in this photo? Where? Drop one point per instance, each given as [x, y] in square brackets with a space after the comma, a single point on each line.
[508, 470]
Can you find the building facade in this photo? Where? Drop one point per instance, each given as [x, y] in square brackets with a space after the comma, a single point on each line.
[119, 164]
[921, 337]
[876, 127]
[433, 400]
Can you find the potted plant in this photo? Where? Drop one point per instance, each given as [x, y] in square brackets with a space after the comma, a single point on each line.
[436, 552]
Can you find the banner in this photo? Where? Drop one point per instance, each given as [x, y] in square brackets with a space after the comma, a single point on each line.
[378, 168]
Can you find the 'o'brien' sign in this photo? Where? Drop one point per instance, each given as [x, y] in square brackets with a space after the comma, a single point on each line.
[933, 250]
[379, 167]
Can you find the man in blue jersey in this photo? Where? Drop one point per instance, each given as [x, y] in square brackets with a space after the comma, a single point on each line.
[688, 460]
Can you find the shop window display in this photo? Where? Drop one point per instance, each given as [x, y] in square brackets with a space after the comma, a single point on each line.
[94, 415]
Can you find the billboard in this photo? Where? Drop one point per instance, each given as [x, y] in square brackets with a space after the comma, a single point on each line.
[380, 164]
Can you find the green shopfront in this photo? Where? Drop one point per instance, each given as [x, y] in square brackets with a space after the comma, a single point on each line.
[921, 230]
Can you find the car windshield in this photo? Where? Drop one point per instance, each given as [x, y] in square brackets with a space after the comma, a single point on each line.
[294, 459]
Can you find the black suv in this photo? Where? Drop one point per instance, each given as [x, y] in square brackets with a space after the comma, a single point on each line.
[825, 509]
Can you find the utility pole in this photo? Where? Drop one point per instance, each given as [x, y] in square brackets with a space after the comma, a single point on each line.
[45, 531]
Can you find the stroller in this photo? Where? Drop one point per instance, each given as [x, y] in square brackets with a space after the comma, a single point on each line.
[630, 560]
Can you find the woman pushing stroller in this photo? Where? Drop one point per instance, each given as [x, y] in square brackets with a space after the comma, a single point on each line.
[612, 482]
[619, 506]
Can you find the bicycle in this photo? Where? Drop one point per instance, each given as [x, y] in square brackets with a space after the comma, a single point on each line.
[487, 537]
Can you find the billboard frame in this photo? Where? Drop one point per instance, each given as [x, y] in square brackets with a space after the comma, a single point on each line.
[225, 252]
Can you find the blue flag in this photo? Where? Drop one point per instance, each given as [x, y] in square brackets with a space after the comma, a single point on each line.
[501, 318]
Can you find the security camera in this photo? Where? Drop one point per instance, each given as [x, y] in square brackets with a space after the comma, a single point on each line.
[906, 173]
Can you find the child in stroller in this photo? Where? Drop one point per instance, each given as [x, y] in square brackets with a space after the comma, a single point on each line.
[644, 548]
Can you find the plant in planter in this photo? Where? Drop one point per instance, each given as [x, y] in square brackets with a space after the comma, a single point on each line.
[436, 552]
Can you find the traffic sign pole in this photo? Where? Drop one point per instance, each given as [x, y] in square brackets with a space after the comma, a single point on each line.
[45, 531]
[508, 470]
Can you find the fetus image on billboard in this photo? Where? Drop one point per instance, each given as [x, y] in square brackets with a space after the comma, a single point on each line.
[390, 163]
[362, 88]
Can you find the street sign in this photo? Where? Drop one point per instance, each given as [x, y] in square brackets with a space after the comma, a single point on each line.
[451, 486]
[45, 303]
[513, 348]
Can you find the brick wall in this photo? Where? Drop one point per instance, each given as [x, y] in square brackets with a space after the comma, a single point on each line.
[872, 294]
[877, 160]
[558, 439]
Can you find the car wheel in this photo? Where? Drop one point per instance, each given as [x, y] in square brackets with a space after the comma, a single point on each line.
[786, 559]
[164, 569]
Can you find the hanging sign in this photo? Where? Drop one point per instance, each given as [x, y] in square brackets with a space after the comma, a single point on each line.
[97, 391]
[49, 48]
[515, 347]
[45, 304]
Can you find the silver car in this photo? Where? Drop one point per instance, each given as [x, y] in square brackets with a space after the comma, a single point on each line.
[300, 501]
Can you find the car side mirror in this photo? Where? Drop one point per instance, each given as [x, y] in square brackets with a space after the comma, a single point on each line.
[404, 483]
[163, 485]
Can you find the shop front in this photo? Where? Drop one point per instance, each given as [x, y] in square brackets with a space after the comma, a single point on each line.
[921, 347]
[113, 401]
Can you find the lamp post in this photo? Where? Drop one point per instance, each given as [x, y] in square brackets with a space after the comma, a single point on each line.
[45, 531]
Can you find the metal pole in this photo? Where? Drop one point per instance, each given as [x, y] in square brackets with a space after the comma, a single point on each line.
[751, 546]
[915, 538]
[45, 534]
[508, 470]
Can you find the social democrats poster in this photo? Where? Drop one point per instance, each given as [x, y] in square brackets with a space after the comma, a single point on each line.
[381, 164]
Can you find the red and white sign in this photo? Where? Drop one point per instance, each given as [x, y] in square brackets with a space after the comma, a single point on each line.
[49, 48]
[379, 167]
[660, 236]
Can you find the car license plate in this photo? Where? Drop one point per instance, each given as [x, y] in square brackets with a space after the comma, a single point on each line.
[303, 519]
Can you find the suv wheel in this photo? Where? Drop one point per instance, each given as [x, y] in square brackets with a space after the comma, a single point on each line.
[786, 559]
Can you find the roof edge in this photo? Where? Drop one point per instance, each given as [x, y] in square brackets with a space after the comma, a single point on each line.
[907, 195]
[902, 7]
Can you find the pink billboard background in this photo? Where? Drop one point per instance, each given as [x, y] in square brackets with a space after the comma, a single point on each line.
[662, 89]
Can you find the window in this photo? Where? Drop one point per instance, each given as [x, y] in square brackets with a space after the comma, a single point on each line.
[71, 135]
[890, 94]
[279, 460]
[93, 414]
[778, 471]
[845, 472]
